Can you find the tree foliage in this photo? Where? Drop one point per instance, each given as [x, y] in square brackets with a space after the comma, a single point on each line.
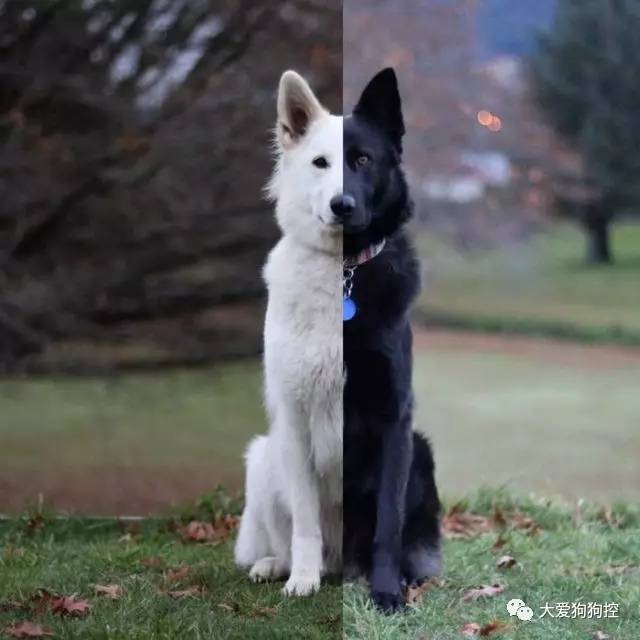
[586, 80]
[134, 143]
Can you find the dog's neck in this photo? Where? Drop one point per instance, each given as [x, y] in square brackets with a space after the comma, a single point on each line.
[369, 253]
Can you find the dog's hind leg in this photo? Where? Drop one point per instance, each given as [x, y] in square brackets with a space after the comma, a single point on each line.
[278, 530]
[421, 555]
[265, 531]
[253, 542]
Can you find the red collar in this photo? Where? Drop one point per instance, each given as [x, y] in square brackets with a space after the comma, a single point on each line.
[365, 255]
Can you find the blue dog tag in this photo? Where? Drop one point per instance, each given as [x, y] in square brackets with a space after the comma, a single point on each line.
[348, 309]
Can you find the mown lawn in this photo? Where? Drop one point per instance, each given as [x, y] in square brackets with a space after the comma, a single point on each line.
[170, 588]
[538, 286]
[574, 557]
[553, 418]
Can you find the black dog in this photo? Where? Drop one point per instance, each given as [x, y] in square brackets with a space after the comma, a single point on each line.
[391, 506]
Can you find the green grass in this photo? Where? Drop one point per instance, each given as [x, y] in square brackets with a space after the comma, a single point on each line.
[70, 556]
[573, 558]
[556, 424]
[544, 419]
[173, 418]
[568, 561]
[540, 286]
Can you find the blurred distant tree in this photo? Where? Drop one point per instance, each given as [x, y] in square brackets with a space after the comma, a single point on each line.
[134, 143]
[585, 76]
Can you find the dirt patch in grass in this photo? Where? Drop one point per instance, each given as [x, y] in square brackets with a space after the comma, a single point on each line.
[105, 491]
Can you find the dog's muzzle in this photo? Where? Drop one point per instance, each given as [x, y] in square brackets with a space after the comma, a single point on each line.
[342, 207]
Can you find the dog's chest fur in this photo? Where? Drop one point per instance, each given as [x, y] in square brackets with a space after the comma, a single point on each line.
[303, 344]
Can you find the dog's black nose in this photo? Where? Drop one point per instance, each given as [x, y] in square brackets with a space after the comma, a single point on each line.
[342, 206]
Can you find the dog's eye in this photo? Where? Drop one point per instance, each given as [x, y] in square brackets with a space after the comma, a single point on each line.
[362, 160]
[320, 162]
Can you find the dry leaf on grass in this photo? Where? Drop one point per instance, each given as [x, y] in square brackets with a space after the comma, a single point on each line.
[42, 600]
[27, 630]
[474, 630]
[500, 542]
[414, 594]
[198, 531]
[177, 574]
[527, 524]
[152, 562]
[498, 517]
[601, 635]
[495, 626]
[464, 524]
[485, 591]
[70, 606]
[506, 562]
[229, 608]
[111, 591]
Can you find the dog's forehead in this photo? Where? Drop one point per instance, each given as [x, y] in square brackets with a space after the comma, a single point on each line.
[360, 133]
[326, 133]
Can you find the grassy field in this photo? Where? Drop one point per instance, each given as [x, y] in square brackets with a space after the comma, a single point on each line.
[167, 588]
[534, 415]
[540, 286]
[209, 600]
[538, 416]
[571, 559]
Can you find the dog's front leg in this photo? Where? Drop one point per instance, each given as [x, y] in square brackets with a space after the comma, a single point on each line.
[386, 588]
[306, 539]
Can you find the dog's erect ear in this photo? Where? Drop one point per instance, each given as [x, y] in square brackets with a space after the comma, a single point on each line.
[298, 107]
[380, 104]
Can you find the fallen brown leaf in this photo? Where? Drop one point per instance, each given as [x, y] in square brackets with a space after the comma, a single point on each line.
[177, 574]
[152, 561]
[496, 626]
[464, 524]
[27, 630]
[42, 600]
[229, 608]
[500, 542]
[474, 630]
[197, 531]
[526, 524]
[601, 635]
[506, 562]
[498, 518]
[70, 606]
[485, 591]
[415, 594]
[111, 591]
[36, 523]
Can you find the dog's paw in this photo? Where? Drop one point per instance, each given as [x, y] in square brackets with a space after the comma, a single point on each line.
[302, 585]
[269, 568]
[388, 602]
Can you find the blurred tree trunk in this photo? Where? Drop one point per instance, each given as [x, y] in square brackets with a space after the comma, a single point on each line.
[597, 226]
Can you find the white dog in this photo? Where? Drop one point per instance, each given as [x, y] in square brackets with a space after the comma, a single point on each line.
[292, 523]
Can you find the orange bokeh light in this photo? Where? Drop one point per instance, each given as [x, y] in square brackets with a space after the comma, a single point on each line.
[495, 124]
[485, 117]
